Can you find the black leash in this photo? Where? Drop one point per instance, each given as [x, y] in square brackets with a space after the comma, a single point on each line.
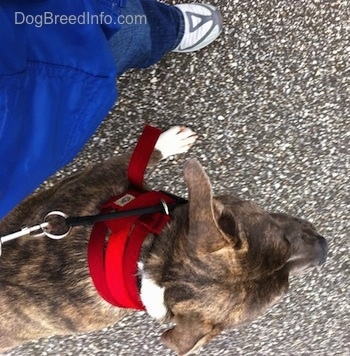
[92, 219]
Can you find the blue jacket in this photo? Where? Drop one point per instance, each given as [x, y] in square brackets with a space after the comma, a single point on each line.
[57, 83]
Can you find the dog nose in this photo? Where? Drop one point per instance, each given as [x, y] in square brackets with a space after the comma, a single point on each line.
[324, 249]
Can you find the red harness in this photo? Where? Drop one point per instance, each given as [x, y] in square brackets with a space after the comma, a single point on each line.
[115, 245]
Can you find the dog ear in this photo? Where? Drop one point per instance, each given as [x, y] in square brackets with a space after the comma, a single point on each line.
[189, 335]
[234, 230]
[204, 231]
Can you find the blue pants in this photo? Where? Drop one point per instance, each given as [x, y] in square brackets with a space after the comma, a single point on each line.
[152, 29]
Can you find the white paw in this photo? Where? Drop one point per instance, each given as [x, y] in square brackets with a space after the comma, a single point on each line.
[177, 139]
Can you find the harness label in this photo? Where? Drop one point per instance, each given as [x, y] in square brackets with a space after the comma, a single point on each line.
[125, 199]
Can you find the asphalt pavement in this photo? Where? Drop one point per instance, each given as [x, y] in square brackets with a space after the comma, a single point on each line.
[270, 103]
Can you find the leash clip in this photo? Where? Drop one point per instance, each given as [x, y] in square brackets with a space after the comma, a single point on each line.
[26, 231]
[40, 230]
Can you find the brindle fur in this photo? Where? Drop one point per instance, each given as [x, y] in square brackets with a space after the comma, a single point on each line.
[222, 261]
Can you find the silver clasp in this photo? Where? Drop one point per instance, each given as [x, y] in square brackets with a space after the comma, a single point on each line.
[40, 230]
[26, 231]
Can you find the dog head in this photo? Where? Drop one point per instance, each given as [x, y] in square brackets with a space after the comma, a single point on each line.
[231, 262]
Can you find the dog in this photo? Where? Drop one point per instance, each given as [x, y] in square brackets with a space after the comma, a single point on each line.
[220, 262]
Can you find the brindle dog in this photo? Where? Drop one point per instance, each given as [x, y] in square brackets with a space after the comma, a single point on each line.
[221, 262]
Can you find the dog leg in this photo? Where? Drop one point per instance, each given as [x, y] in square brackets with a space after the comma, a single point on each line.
[178, 139]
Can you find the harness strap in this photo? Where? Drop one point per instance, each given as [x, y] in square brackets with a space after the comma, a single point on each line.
[141, 155]
[115, 245]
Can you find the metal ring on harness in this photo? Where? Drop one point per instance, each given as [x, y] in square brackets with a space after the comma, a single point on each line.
[53, 236]
[165, 206]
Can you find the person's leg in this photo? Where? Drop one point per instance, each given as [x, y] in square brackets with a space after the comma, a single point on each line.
[152, 30]
[166, 28]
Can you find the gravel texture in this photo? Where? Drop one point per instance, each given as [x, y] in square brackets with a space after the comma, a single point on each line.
[269, 101]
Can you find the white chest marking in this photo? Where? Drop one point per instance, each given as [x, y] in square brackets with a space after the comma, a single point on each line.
[152, 297]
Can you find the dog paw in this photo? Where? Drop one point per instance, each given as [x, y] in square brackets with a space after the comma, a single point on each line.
[177, 139]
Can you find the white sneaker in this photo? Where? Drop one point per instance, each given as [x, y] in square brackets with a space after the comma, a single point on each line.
[203, 24]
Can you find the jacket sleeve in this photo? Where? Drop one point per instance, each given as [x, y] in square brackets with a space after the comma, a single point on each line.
[57, 83]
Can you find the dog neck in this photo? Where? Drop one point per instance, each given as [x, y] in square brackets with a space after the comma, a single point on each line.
[114, 272]
[153, 259]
